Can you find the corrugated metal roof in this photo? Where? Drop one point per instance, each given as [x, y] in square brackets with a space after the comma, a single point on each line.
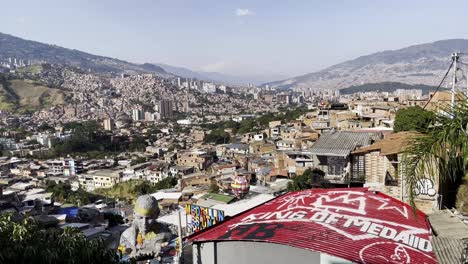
[448, 250]
[238, 146]
[341, 143]
[354, 224]
[450, 231]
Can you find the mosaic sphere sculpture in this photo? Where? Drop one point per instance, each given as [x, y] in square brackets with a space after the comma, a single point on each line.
[240, 186]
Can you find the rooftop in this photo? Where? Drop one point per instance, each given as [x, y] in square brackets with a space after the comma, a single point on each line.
[370, 227]
[341, 143]
[449, 234]
[238, 146]
[167, 195]
[218, 197]
[391, 144]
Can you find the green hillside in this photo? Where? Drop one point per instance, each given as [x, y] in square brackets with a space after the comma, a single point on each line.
[27, 95]
[32, 69]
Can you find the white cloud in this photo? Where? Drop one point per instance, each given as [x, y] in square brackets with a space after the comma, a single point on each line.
[214, 67]
[244, 12]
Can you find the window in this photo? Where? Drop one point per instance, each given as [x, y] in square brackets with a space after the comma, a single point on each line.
[322, 160]
[358, 168]
[390, 180]
[336, 165]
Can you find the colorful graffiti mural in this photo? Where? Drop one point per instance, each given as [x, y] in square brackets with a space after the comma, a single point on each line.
[199, 218]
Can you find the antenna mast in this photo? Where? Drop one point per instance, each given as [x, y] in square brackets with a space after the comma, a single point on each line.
[455, 57]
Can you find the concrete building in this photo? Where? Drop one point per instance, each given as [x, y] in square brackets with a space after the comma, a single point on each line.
[165, 109]
[55, 167]
[198, 159]
[108, 124]
[381, 165]
[137, 114]
[106, 178]
[332, 153]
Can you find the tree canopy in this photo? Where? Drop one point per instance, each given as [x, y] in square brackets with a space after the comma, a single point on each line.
[62, 193]
[441, 154]
[130, 190]
[413, 118]
[217, 136]
[311, 178]
[88, 140]
[25, 241]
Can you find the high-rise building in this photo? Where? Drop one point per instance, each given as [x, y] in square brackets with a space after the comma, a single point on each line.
[165, 109]
[69, 168]
[337, 93]
[149, 116]
[283, 98]
[137, 114]
[108, 124]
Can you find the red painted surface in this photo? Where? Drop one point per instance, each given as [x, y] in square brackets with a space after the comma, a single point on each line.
[353, 224]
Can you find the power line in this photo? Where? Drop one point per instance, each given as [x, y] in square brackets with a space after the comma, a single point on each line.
[440, 84]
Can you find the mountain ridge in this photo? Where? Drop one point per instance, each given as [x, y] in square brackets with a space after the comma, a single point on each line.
[416, 64]
[16, 47]
[217, 77]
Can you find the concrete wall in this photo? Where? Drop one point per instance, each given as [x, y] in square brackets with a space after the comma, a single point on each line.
[377, 167]
[245, 252]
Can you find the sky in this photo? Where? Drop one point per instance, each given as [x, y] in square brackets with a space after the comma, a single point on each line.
[248, 37]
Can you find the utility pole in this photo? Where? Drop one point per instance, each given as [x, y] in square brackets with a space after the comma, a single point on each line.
[466, 79]
[455, 57]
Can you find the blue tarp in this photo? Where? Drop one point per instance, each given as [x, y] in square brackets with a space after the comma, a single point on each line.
[69, 211]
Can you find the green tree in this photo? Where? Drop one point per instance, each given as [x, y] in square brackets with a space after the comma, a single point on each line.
[138, 160]
[62, 193]
[165, 183]
[311, 178]
[143, 188]
[45, 127]
[130, 190]
[413, 118]
[25, 241]
[248, 125]
[217, 136]
[138, 143]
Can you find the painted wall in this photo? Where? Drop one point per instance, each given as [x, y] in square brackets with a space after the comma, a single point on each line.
[245, 252]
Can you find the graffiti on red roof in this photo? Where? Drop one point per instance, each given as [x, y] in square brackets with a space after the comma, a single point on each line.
[354, 224]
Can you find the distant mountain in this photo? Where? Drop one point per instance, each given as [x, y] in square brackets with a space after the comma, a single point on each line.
[386, 87]
[14, 47]
[181, 71]
[419, 64]
[216, 76]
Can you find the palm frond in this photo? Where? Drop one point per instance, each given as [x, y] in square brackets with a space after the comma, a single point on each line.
[442, 153]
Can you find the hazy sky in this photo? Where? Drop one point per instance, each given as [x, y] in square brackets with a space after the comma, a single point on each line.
[251, 37]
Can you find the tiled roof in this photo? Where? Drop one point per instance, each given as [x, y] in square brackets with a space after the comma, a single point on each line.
[341, 143]
[391, 144]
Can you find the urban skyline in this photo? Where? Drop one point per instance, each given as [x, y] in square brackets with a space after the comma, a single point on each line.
[277, 39]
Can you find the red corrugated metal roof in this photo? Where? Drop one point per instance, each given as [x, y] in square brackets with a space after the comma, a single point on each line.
[353, 224]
